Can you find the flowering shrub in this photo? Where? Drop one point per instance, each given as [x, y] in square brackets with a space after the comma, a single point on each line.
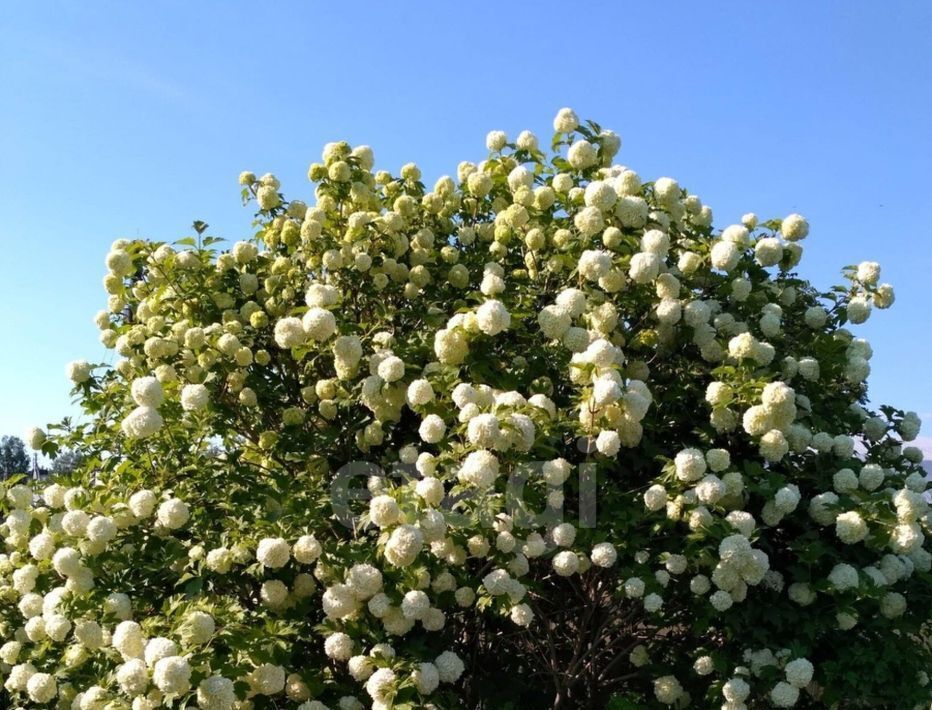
[537, 436]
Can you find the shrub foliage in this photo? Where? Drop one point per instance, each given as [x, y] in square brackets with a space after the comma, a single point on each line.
[537, 436]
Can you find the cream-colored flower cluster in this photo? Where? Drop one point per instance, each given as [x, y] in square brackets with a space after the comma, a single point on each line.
[380, 370]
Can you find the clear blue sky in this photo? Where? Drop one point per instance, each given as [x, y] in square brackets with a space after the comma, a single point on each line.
[133, 119]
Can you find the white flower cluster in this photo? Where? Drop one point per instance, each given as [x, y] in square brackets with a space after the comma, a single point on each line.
[55, 544]
[552, 326]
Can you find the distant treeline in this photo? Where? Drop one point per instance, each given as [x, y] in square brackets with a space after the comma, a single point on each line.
[15, 459]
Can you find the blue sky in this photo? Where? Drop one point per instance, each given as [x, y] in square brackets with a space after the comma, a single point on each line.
[134, 119]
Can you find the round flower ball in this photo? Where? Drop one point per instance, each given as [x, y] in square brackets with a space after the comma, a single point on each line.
[173, 514]
[194, 397]
[273, 552]
[172, 675]
[603, 554]
[566, 563]
[79, 371]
